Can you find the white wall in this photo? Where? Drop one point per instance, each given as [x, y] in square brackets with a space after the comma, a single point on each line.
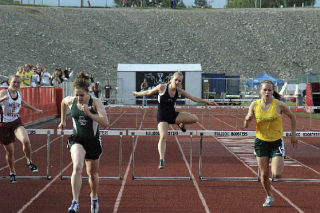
[127, 78]
[126, 85]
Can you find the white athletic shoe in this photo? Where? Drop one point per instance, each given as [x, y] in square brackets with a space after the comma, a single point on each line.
[94, 206]
[74, 208]
[268, 202]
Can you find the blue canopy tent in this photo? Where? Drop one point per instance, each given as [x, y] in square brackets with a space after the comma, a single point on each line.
[256, 81]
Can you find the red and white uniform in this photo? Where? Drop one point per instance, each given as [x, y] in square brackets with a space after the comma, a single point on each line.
[10, 108]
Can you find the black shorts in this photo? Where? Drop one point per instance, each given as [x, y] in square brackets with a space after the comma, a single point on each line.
[269, 149]
[92, 146]
[170, 118]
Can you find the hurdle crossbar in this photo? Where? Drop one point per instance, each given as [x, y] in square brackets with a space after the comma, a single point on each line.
[47, 132]
[213, 133]
[134, 133]
[120, 133]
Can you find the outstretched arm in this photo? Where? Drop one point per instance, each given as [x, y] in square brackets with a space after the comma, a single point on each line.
[195, 99]
[153, 91]
[249, 116]
[25, 104]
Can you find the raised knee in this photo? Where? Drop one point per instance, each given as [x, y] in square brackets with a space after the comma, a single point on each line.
[195, 118]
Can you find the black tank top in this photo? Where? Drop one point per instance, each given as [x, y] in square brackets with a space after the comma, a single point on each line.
[166, 103]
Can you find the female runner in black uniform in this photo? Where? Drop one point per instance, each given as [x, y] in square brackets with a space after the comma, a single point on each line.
[168, 94]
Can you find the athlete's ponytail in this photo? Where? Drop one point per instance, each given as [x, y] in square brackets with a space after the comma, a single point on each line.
[82, 82]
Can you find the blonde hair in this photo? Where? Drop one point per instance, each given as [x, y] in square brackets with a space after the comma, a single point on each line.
[12, 77]
[179, 73]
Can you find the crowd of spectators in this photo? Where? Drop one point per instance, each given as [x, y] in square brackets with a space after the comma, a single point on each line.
[35, 76]
[39, 76]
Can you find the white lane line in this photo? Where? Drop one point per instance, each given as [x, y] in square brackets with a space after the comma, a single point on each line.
[254, 172]
[25, 206]
[203, 200]
[313, 146]
[125, 177]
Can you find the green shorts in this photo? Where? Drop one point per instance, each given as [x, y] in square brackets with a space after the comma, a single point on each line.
[269, 148]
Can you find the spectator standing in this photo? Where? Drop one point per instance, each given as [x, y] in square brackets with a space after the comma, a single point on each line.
[46, 77]
[57, 77]
[21, 74]
[35, 80]
[96, 89]
[27, 74]
[68, 73]
[107, 91]
[144, 87]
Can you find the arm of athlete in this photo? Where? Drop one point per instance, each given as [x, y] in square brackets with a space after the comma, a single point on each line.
[25, 104]
[249, 116]
[65, 104]
[101, 117]
[285, 110]
[3, 95]
[153, 91]
[195, 99]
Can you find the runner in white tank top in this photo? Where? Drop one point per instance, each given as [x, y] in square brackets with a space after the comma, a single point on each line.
[11, 126]
[10, 108]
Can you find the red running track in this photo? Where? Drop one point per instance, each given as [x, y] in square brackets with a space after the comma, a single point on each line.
[230, 157]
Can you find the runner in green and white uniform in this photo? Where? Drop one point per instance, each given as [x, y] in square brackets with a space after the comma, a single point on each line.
[85, 131]
[85, 144]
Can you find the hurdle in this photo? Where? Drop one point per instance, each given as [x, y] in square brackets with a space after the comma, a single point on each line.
[202, 133]
[134, 133]
[47, 132]
[121, 133]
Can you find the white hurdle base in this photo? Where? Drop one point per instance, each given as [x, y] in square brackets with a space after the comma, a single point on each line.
[120, 133]
[47, 132]
[134, 133]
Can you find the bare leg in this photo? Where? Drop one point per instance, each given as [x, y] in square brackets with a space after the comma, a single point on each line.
[22, 135]
[163, 130]
[277, 165]
[77, 156]
[263, 163]
[186, 118]
[93, 173]
[10, 157]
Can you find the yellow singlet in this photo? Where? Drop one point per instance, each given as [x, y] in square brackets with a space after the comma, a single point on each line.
[268, 123]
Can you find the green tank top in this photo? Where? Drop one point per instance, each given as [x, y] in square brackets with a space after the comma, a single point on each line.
[83, 126]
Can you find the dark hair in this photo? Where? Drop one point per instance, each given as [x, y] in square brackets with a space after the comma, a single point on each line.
[82, 82]
[275, 94]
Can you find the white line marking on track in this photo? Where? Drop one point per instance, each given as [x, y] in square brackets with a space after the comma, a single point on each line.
[125, 177]
[254, 172]
[42, 190]
[203, 200]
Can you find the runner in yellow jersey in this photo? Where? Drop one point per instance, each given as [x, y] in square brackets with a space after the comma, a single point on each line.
[268, 144]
